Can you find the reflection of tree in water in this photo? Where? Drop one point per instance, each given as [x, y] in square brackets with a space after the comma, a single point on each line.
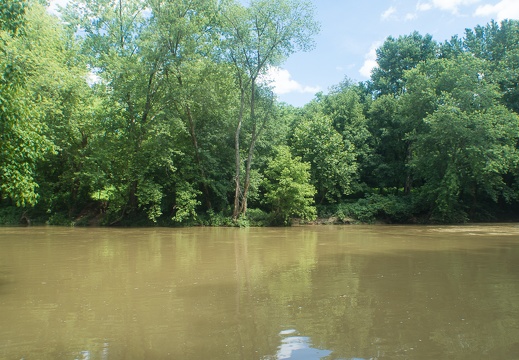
[233, 293]
[415, 305]
[400, 304]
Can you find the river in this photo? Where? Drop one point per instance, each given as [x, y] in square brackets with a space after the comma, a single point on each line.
[318, 292]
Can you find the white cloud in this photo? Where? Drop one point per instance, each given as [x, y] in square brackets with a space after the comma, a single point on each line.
[388, 13]
[505, 9]
[370, 60]
[282, 82]
[452, 5]
[445, 5]
[423, 6]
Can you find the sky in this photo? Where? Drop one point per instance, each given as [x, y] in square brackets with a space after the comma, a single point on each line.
[351, 31]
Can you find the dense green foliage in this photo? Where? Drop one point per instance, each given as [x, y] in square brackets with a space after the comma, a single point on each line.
[155, 112]
[288, 192]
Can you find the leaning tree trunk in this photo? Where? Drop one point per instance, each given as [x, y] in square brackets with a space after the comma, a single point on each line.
[237, 192]
[246, 185]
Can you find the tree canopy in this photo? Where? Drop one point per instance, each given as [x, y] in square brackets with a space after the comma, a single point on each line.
[123, 112]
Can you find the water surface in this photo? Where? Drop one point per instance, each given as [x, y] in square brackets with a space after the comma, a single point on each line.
[330, 292]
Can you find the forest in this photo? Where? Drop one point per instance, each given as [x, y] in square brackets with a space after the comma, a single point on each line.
[157, 112]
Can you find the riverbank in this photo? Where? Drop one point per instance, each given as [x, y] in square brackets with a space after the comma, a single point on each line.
[95, 216]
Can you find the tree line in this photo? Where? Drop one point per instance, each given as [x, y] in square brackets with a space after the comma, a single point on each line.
[158, 112]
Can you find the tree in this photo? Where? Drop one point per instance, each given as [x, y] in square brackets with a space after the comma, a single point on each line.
[499, 45]
[343, 106]
[467, 144]
[113, 41]
[463, 158]
[387, 168]
[206, 104]
[396, 56]
[199, 87]
[67, 106]
[288, 191]
[12, 16]
[332, 159]
[22, 143]
[257, 37]
[127, 52]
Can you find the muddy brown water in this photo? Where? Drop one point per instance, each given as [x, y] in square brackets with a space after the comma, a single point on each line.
[323, 292]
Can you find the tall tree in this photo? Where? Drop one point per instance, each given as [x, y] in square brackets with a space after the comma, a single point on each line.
[396, 56]
[257, 37]
[119, 36]
[197, 86]
[343, 106]
[22, 139]
[66, 103]
[387, 170]
[467, 143]
[499, 44]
